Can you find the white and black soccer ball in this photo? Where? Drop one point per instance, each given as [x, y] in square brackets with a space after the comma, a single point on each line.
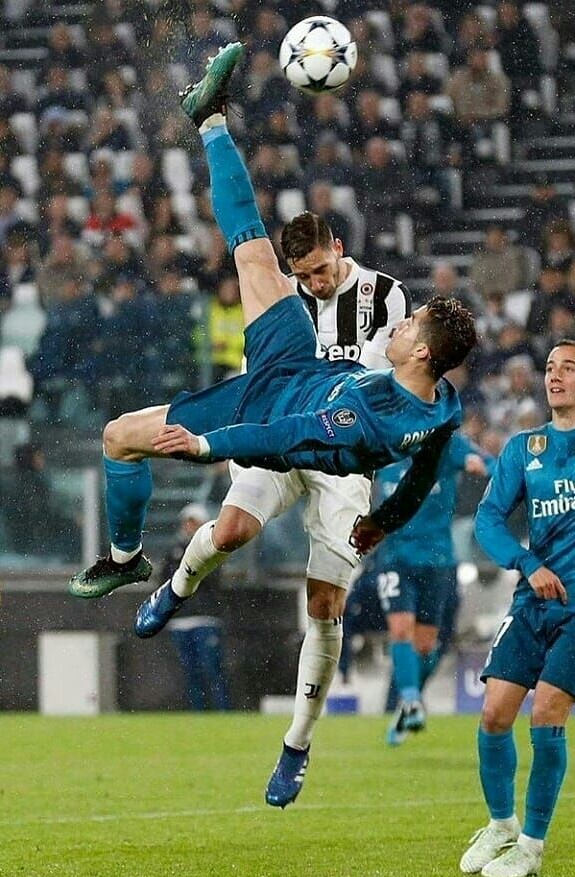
[318, 54]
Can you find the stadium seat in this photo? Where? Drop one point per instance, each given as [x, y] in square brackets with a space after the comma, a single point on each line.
[176, 170]
[15, 380]
[78, 208]
[25, 169]
[184, 205]
[24, 321]
[25, 128]
[76, 165]
[290, 202]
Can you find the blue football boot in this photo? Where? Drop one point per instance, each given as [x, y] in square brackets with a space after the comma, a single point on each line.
[156, 611]
[286, 781]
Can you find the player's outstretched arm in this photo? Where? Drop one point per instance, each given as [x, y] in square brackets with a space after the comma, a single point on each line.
[407, 498]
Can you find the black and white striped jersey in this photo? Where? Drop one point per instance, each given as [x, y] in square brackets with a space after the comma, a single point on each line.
[357, 321]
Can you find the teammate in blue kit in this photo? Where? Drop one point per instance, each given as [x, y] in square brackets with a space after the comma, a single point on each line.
[410, 579]
[535, 645]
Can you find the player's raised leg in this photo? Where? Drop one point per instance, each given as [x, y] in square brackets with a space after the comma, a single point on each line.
[262, 284]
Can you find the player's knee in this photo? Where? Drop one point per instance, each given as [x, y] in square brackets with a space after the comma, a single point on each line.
[233, 531]
[326, 604]
[114, 439]
[493, 720]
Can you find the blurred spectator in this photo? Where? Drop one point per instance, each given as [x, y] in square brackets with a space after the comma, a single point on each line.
[420, 32]
[10, 101]
[69, 347]
[501, 266]
[517, 45]
[54, 178]
[328, 162]
[551, 290]
[55, 220]
[117, 94]
[328, 115]
[544, 206]
[367, 120]
[267, 205]
[430, 144]
[518, 396]
[107, 132]
[126, 359]
[163, 255]
[162, 218]
[203, 41]
[226, 325]
[267, 30]
[558, 245]
[265, 86]
[270, 168]
[479, 97]
[9, 212]
[191, 518]
[122, 259]
[105, 218]
[320, 201]
[216, 261]
[63, 262]
[17, 262]
[56, 93]
[159, 99]
[383, 185]
[58, 130]
[104, 46]
[28, 492]
[415, 77]
[9, 142]
[472, 32]
[62, 50]
[447, 283]
[511, 340]
[178, 314]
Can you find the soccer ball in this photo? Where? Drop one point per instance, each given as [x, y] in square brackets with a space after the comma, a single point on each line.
[318, 54]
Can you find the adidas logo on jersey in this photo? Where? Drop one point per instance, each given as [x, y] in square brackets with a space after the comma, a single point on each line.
[534, 464]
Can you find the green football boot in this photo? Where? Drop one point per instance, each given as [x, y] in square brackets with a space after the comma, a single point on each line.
[208, 96]
[105, 576]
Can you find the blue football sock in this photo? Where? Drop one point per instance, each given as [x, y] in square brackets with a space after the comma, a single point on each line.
[233, 197]
[497, 766]
[427, 665]
[547, 772]
[128, 489]
[406, 670]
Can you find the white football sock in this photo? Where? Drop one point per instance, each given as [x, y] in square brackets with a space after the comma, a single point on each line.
[216, 120]
[533, 844]
[318, 661]
[120, 556]
[200, 558]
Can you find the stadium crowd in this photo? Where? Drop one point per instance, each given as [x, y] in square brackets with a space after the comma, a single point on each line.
[115, 285]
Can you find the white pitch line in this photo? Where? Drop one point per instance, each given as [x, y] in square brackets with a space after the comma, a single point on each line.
[236, 811]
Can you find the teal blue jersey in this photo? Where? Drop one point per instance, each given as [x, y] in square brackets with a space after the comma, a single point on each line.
[535, 468]
[334, 421]
[426, 539]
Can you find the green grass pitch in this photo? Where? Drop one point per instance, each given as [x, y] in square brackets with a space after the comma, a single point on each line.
[182, 794]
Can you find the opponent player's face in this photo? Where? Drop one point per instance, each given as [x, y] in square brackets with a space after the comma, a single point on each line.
[320, 271]
[560, 378]
[405, 337]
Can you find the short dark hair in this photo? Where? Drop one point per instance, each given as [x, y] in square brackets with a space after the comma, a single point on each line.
[449, 332]
[303, 234]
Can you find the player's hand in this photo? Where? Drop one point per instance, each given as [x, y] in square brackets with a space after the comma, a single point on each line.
[365, 534]
[547, 585]
[475, 465]
[176, 439]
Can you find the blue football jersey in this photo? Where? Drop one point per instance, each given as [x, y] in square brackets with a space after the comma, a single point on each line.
[426, 539]
[537, 468]
[335, 421]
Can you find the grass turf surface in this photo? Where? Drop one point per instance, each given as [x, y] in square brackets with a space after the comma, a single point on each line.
[182, 794]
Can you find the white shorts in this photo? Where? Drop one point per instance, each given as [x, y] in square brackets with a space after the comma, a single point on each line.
[333, 504]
